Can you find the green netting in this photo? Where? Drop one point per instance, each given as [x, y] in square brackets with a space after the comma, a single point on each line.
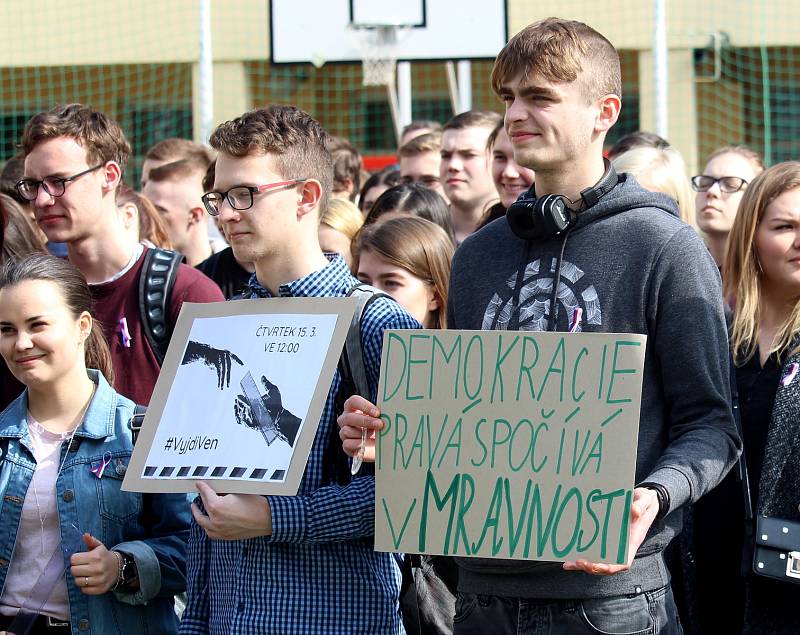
[138, 60]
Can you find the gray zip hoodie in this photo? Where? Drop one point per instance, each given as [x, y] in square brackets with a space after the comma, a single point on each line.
[629, 265]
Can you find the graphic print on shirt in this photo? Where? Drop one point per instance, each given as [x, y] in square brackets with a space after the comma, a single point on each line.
[527, 309]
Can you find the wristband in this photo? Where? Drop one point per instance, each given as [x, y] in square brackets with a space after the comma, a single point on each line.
[663, 497]
[128, 574]
[121, 564]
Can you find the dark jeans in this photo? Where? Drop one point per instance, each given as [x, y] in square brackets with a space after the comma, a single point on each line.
[647, 613]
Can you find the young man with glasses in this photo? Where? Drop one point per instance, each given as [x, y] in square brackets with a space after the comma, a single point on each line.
[624, 263]
[719, 191]
[301, 564]
[74, 160]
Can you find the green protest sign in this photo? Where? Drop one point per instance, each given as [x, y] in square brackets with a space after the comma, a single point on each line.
[506, 444]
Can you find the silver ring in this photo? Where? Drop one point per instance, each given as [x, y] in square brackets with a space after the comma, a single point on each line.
[85, 581]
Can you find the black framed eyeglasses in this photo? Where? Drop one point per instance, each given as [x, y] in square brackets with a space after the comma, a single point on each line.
[55, 186]
[727, 184]
[241, 197]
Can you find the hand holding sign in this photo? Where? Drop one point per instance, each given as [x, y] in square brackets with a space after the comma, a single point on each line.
[644, 510]
[359, 414]
[232, 516]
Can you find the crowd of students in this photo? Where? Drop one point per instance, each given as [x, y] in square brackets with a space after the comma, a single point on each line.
[91, 287]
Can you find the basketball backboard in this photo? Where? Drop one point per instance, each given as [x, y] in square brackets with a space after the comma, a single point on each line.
[320, 31]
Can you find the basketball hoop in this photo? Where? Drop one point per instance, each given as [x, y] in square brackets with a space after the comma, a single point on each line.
[379, 52]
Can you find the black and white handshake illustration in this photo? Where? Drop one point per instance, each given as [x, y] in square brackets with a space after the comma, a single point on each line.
[259, 409]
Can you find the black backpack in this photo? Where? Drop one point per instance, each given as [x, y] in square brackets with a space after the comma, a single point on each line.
[428, 588]
[336, 466]
[155, 289]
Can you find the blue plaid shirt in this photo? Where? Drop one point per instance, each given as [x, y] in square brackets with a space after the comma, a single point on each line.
[317, 572]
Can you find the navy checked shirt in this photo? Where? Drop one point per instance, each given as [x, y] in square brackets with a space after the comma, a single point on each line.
[317, 572]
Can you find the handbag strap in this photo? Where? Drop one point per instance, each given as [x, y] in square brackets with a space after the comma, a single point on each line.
[741, 466]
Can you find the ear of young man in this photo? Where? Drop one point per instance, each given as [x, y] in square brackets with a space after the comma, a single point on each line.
[309, 197]
[112, 176]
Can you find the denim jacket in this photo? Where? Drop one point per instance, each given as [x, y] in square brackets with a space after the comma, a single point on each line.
[153, 528]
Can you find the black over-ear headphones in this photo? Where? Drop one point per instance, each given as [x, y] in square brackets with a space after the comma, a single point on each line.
[549, 216]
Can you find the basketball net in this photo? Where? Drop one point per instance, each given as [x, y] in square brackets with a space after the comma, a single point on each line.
[379, 53]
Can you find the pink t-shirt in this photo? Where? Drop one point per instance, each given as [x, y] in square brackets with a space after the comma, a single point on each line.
[39, 532]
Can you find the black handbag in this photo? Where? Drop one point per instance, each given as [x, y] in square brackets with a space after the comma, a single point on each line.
[773, 542]
[428, 594]
[777, 549]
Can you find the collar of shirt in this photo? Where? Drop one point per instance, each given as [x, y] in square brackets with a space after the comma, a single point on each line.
[323, 282]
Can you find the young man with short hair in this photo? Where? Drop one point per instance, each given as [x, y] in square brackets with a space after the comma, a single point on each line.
[302, 564]
[420, 160]
[347, 168]
[175, 189]
[417, 128]
[624, 264]
[74, 159]
[174, 149]
[465, 169]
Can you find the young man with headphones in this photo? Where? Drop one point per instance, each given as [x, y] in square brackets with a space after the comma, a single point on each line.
[589, 250]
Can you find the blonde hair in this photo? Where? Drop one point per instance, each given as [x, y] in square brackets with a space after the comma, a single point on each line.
[742, 274]
[429, 142]
[667, 171]
[343, 216]
[748, 154]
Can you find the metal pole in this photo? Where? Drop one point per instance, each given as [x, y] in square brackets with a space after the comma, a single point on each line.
[205, 91]
[206, 74]
[660, 68]
[766, 90]
[464, 85]
[766, 94]
[394, 110]
[452, 86]
[404, 93]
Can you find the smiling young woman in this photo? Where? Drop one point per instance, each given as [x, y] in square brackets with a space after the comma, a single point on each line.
[70, 440]
[510, 178]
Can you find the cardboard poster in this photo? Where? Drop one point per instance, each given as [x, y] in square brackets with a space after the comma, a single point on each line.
[240, 395]
[505, 444]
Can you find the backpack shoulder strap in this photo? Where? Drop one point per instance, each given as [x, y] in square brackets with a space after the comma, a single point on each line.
[155, 288]
[136, 421]
[353, 381]
[351, 363]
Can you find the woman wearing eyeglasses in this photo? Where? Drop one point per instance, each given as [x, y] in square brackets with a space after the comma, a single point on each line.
[719, 191]
[78, 554]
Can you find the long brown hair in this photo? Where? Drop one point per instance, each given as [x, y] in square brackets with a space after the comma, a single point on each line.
[416, 245]
[742, 274]
[76, 294]
[151, 227]
[20, 236]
